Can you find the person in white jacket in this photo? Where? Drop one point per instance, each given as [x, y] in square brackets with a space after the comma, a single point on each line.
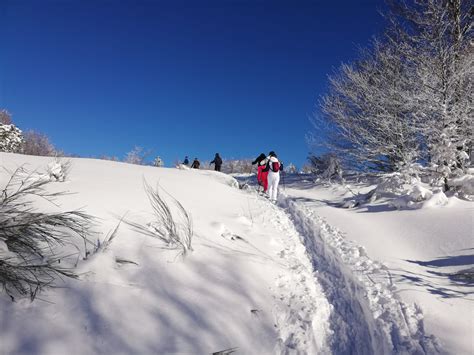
[273, 166]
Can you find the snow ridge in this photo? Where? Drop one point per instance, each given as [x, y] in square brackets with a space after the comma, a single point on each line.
[368, 317]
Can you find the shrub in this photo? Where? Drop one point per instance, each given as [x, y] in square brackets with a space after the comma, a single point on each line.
[175, 230]
[58, 170]
[32, 243]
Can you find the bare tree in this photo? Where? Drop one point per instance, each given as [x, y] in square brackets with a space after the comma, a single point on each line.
[234, 166]
[36, 143]
[137, 156]
[5, 117]
[158, 162]
[369, 118]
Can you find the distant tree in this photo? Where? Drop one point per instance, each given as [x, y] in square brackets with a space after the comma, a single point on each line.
[5, 117]
[37, 144]
[158, 162]
[291, 169]
[327, 165]
[237, 166]
[307, 169]
[106, 157]
[136, 156]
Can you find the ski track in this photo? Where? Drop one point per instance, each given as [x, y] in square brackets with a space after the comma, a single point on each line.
[365, 317]
[301, 309]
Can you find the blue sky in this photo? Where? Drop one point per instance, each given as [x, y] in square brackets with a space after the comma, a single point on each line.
[176, 77]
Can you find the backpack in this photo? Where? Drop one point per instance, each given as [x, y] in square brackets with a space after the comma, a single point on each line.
[275, 166]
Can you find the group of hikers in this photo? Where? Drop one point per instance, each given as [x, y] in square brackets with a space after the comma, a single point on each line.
[268, 171]
[268, 174]
[196, 164]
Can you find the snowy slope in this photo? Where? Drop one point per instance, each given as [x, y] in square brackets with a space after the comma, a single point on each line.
[248, 283]
[261, 279]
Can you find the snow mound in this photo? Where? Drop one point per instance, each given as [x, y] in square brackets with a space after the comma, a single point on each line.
[420, 193]
[182, 167]
[221, 177]
[464, 185]
[420, 197]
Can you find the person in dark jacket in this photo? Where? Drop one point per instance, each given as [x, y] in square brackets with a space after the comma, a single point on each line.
[195, 164]
[217, 162]
[186, 160]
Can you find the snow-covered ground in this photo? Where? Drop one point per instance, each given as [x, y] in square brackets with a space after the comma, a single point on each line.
[421, 251]
[261, 279]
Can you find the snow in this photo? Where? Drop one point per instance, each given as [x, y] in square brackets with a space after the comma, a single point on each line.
[300, 277]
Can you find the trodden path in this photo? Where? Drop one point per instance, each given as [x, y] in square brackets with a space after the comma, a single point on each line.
[337, 300]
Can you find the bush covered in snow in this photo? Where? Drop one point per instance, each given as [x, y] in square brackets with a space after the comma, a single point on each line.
[58, 170]
[464, 186]
[11, 138]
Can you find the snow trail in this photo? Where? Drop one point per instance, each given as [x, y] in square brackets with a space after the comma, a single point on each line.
[301, 309]
[367, 317]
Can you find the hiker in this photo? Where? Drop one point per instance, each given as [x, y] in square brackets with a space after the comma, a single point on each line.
[273, 167]
[195, 164]
[186, 161]
[217, 162]
[262, 176]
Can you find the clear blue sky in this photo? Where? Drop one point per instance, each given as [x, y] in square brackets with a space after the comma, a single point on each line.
[177, 77]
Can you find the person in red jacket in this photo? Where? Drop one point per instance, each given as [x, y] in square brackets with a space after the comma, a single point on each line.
[262, 176]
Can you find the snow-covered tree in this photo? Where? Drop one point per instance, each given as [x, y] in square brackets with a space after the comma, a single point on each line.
[370, 119]
[291, 169]
[158, 162]
[438, 43]
[11, 138]
[307, 169]
[408, 98]
[37, 144]
[136, 156]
